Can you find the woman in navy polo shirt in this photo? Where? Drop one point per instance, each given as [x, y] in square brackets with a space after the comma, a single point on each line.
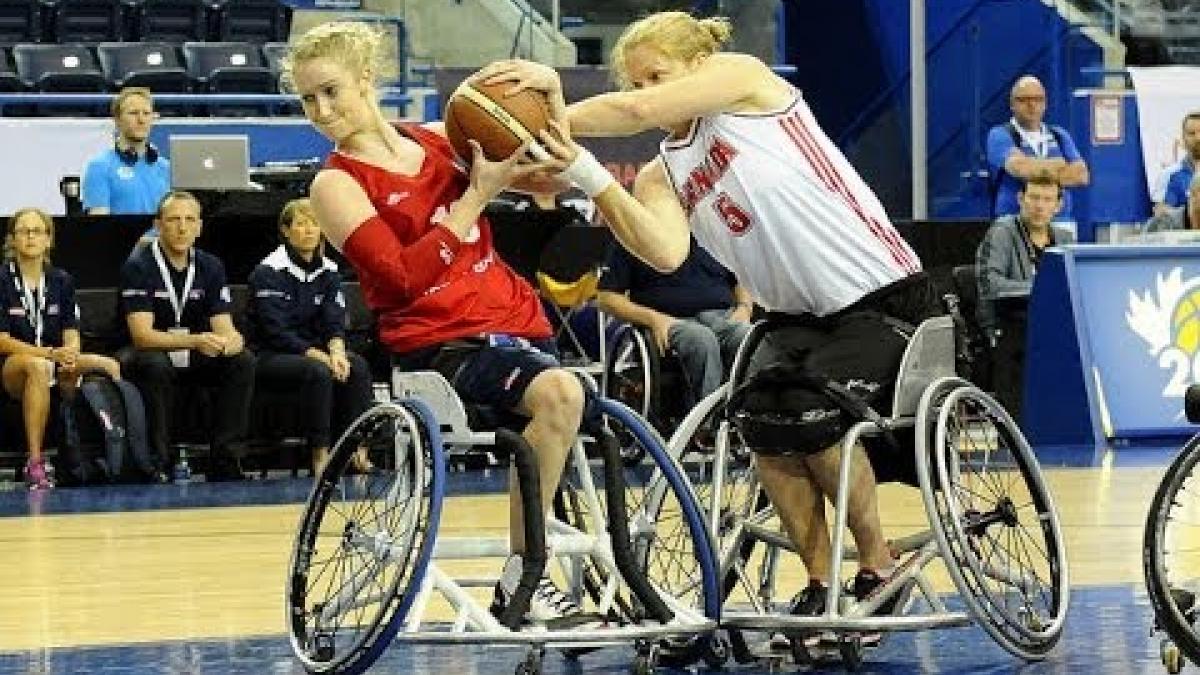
[39, 333]
[297, 323]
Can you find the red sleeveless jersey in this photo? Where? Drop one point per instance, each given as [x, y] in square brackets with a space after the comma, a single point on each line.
[476, 294]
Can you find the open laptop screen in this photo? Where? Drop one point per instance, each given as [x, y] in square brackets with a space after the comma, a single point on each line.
[210, 163]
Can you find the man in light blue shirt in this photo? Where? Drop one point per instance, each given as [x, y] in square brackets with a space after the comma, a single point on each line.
[1026, 147]
[130, 177]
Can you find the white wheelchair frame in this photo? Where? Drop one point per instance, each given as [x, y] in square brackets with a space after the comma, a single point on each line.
[570, 547]
[926, 380]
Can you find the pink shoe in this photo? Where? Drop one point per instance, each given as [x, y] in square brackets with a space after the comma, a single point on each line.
[35, 475]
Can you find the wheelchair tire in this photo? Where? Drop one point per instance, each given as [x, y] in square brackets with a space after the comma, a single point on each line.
[629, 378]
[670, 538]
[365, 541]
[1168, 527]
[991, 513]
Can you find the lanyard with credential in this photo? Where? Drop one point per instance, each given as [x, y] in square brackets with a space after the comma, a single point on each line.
[177, 302]
[35, 310]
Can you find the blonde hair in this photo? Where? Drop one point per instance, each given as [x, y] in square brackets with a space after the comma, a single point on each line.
[125, 94]
[295, 208]
[9, 253]
[356, 45]
[676, 34]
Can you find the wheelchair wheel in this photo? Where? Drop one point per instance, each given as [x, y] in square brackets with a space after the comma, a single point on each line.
[629, 378]
[1169, 555]
[365, 540]
[671, 541]
[993, 517]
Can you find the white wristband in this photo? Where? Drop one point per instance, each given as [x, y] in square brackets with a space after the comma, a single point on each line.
[588, 174]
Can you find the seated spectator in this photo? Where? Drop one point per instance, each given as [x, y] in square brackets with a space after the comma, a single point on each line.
[39, 332]
[698, 313]
[297, 322]
[1026, 147]
[1184, 217]
[176, 308]
[1179, 177]
[1008, 256]
[130, 177]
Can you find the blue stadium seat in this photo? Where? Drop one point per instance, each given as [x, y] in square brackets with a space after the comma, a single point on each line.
[85, 20]
[255, 21]
[171, 20]
[229, 68]
[70, 68]
[20, 21]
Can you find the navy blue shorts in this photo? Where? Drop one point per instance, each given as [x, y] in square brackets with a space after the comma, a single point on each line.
[498, 374]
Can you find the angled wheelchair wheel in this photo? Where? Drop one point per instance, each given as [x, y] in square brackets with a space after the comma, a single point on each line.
[671, 541]
[1170, 557]
[993, 517]
[629, 378]
[365, 541]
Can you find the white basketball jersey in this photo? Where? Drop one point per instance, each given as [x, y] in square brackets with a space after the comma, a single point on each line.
[772, 199]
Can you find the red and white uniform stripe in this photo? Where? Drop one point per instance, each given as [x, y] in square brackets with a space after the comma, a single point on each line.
[774, 200]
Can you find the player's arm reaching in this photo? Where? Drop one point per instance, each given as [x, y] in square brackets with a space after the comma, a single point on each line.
[351, 223]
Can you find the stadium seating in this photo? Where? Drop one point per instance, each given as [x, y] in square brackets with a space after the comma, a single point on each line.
[71, 68]
[84, 20]
[255, 21]
[229, 67]
[20, 21]
[171, 20]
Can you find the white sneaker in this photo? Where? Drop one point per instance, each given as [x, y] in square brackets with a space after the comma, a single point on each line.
[549, 606]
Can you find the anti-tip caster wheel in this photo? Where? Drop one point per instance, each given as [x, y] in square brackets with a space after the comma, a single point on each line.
[801, 654]
[532, 665]
[716, 654]
[647, 658]
[1172, 660]
[851, 647]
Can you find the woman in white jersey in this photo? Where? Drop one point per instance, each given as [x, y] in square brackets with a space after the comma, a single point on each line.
[746, 169]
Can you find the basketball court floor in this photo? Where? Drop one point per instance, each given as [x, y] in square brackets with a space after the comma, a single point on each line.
[189, 579]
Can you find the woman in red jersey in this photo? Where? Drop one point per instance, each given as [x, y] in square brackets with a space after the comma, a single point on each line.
[409, 220]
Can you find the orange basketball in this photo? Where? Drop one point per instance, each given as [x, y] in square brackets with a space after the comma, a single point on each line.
[482, 113]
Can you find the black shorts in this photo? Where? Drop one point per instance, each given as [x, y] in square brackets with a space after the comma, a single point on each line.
[859, 348]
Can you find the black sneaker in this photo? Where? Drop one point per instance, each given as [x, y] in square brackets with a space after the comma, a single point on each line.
[864, 585]
[808, 602]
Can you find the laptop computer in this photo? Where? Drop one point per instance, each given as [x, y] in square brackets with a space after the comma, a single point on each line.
[210, 163]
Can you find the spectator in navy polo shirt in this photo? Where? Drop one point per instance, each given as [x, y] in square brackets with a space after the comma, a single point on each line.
[297, 319]
[39, 332]
[129, 177]
[698, 312]
[177, 310]
[1026, 147]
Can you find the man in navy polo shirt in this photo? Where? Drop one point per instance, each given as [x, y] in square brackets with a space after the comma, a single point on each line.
[176, 306]
[697, 313]
[129, 177]
[1026, 147]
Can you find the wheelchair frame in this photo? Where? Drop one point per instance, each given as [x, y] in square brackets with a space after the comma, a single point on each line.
[926, 380]
[429, 408]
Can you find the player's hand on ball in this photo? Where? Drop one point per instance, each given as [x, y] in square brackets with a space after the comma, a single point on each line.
[559, 146]
[489, 178]
[522, 74]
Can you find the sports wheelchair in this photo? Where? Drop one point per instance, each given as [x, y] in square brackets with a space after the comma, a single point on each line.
[368, 567]
[1169, 554]
[992, 521]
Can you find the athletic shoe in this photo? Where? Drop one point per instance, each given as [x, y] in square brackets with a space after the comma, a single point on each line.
[36, 476]
[549, 606]
[864, 585]
[808, 602]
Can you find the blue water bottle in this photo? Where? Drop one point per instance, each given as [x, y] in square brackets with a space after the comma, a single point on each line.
[183, 471]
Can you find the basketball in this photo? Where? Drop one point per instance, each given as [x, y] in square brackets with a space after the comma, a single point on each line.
[500, 125]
